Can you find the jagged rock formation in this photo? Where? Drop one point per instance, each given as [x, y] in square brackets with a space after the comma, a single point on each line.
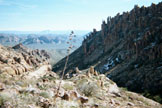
[19, 59]
[128, 49]
[80, 91]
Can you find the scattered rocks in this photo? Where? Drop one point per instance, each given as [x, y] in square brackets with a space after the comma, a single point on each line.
[44, 103]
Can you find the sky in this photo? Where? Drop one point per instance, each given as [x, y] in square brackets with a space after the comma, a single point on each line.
[38, 15]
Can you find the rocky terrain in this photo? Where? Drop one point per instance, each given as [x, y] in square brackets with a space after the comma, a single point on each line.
[86, 89]
[19, 59]
[127, 49]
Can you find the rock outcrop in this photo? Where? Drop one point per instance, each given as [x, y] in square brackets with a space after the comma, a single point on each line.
[127, 49]
[19, 59]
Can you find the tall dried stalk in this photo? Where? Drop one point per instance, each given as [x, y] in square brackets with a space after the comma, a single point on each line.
[67, 58]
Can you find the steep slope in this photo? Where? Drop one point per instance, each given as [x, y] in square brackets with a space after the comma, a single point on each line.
[84, 90]
[128, 50]
[19, 59]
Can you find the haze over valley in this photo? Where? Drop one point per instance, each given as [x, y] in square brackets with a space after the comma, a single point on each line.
[54, 42]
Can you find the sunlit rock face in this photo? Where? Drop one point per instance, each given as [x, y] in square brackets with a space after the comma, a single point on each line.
[127, 49]
[19, 59]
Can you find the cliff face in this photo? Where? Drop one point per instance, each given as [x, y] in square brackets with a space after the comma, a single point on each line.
[19, 59]
[128, 49]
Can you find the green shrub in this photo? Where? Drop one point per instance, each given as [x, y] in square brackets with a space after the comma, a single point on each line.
[88, 88]
[68, 86]
[44, 94]
[3, 98]
[43, 87]
[124, 88]
[157, 98]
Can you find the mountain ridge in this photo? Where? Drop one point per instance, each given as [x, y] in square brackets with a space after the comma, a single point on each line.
[128, 50]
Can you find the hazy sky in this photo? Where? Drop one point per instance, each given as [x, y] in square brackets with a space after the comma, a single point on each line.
[61, 14]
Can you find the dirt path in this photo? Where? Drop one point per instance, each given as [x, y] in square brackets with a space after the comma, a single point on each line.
[39, 72]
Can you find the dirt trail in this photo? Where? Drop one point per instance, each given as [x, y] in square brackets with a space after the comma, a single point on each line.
[39, 72]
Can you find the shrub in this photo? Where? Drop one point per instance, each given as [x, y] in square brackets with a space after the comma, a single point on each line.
[44, 94]
[3, 98]
[68, 86]
[157, 98]
[88, 88]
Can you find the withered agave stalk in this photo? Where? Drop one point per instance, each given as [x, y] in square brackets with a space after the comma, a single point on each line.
[70, 46]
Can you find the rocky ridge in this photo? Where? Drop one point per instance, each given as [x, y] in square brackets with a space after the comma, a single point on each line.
[19, 59]
[128, 50]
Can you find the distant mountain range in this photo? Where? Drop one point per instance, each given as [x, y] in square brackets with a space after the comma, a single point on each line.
[58, 32]
[36, 40]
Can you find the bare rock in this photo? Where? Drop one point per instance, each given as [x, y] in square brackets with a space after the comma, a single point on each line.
[66, 96]
[83, 100]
